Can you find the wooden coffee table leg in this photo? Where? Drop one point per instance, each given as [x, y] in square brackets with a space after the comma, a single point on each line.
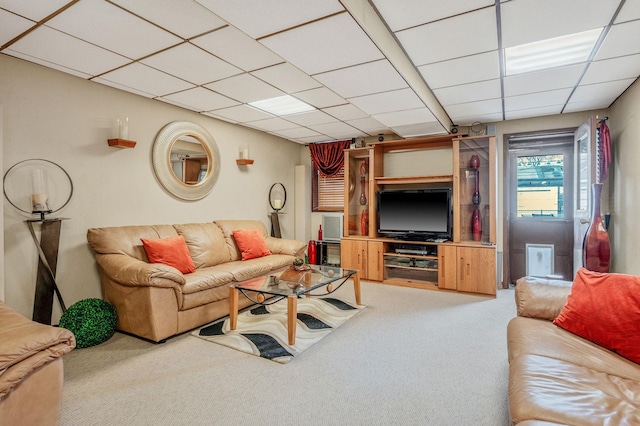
[292, 315]
[233, 307]
[356, 286]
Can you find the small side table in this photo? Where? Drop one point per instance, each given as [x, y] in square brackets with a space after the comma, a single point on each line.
[48, 260]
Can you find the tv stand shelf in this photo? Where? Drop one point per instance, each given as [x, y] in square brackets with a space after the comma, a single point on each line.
[466, 165]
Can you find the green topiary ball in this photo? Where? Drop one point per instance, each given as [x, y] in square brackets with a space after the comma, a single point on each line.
[92, 321]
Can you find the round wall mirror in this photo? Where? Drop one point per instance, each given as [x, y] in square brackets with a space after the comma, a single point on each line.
[186, 160]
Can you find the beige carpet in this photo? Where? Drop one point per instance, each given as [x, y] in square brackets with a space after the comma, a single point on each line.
[412, 357]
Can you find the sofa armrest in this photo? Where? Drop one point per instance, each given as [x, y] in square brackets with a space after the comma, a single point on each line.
[541, 298]
[26, 345]
[127, 270]
[283, 246]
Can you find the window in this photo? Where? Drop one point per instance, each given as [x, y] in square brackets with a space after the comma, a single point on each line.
[327, 191]
[540, 185]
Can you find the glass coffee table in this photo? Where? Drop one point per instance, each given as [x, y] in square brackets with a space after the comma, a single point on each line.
[292, 284]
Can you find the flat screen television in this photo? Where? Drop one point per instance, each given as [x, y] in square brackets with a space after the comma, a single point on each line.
[420, 214]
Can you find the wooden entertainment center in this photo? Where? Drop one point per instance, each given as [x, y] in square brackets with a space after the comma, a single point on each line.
[467, 263]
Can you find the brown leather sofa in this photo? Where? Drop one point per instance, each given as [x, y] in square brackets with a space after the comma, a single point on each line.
[558, 378]
[31, 370]
[156, 301]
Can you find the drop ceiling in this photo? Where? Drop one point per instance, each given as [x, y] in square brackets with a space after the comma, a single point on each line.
[408, 68]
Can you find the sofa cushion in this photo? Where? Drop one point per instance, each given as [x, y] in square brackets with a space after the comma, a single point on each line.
[605, 309]
[126, 239]
[228, 226]
[540, 297]
[558, 391]
[540, 337]
[206, 243]
[170, 251]
[251, 243]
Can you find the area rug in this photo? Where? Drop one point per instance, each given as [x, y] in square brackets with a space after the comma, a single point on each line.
[262, 331]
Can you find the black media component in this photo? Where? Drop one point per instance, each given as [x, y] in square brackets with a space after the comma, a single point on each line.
[415, 215]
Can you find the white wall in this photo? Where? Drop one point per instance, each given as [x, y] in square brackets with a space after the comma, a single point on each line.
[624, 176]
[67, 120]
[1, 218]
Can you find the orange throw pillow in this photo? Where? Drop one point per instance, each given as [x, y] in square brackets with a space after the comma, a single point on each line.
[251, 243]
[605, 309]
[170, 251]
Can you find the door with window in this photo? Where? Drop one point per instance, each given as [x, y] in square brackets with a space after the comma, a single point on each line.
[540, 212]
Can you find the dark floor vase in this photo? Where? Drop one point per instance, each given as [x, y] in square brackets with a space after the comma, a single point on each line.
[596, 250]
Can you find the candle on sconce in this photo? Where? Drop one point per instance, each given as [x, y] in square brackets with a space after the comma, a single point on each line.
[245, 151]
[277, 204]
[39, 194]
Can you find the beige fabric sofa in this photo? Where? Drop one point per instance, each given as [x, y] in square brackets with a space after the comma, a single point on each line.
[556, 377]
[156, 301]
[31, 370]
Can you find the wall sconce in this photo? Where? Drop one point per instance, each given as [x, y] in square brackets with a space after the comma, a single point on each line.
[243, 156]
[121, 139]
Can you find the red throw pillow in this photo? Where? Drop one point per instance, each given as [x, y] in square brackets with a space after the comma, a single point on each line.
[170, 251]
[251, 243]
[605, 309]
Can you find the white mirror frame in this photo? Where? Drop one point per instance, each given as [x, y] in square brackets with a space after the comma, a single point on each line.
[161, 157]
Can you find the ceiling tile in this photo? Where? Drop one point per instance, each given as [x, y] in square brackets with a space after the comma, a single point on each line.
[320, 46]
[300, 132]
[241, 114]
[395, 100]
[272, 124]
[12, 26]
[237, 48]
[313, 139]
[185, 18]
[489, 106]
[477, 118]
[337, 130]
[245, 88]
[417, 12]
[607, 92]
[192, 64]
[286, 77]
[533, 112]
[58, 48]
[262, 17]
[557, 78]
[485, 66]
[123, 87]
[48, 64]
[320, 98]
[34, 10]
[112, 28]
[451, 38]
[419, 129]
[612, 69]
[345, 112]
[629, 12]
[588, 105]
[368, 125]
[471, 92]
[536, 100]
[363, 79]
[146, 79]
[402, 118]
[526, 21]
[311, 118]
[617, 41]
[199, 99]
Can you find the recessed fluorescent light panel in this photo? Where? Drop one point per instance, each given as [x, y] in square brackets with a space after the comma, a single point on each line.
[550, 53]
[282, 105]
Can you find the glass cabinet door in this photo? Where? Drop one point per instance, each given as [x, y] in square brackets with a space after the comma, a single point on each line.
[357, 192]
[475, 189]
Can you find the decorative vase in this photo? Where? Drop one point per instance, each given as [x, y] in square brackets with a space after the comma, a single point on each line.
[474, 163]
[363, 197]
[311, 252]
[364, 223]
[475, 199]
[596, 250]
[476, 225]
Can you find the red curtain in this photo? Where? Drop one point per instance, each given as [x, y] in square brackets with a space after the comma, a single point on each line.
[328, 157]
